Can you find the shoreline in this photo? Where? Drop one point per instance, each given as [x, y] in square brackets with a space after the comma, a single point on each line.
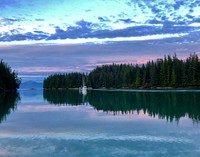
[135, 89]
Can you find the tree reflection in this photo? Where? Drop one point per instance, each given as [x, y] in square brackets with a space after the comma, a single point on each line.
[166, 105]
[61, 97]
[8, 103]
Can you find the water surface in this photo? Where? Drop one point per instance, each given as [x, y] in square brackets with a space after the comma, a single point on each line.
[101, 123]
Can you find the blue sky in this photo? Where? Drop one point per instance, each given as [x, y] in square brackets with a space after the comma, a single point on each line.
[40, 37]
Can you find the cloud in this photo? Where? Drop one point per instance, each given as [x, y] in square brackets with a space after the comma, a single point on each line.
[103, 19]
[67, 20]
[5, 3]
[41, 70]
[101, 40]
[45, 59]
[87, 31]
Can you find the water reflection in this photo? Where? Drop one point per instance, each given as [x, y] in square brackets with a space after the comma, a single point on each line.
[166, 105]
[8, 103]
[61, 97]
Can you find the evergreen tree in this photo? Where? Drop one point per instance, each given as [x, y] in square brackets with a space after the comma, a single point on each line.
[9, 80]
[138, 77]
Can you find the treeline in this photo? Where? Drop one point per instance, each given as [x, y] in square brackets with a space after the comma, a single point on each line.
[9, 80]
[72, 80]
[167, 72]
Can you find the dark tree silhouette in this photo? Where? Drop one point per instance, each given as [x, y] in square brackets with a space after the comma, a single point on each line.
[9, 80]
[72, 80]
[167, 72]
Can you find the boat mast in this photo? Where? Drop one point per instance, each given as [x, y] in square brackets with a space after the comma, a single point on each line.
[83, 81]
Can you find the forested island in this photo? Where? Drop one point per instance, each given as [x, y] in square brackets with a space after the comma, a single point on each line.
[167, 72]
[9, 80]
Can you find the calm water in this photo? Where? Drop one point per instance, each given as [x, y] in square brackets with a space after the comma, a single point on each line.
[102, 123]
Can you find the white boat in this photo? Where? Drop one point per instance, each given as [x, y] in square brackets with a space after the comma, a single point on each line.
[83, 89]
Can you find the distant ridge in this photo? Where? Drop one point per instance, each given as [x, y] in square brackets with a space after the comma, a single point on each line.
[31, 85]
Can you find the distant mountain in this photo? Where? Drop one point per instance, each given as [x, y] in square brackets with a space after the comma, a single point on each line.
[31, 85]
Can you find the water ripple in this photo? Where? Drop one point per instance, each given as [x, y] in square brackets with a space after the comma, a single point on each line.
[95, 137]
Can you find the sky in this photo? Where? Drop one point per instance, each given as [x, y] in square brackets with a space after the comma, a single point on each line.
[42, 37]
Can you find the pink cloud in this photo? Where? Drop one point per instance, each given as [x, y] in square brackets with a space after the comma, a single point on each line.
[5, 152]
[118, 60]
[46, 69]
